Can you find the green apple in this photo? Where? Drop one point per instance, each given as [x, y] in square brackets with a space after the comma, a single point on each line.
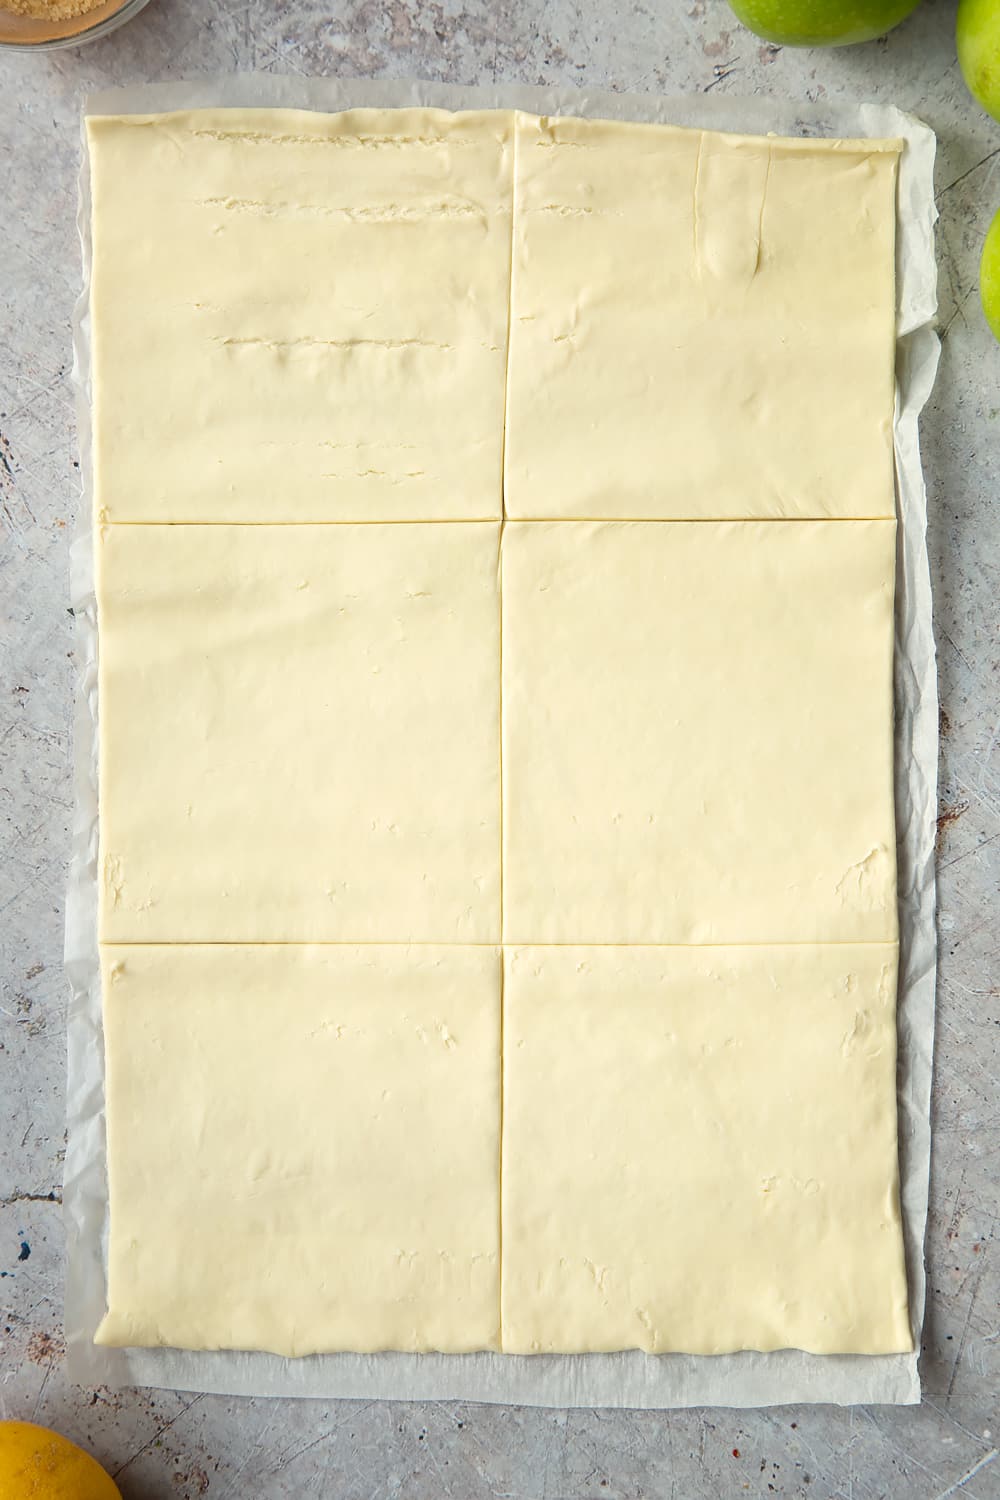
[989, 276]
[977, 33]
[824, 23]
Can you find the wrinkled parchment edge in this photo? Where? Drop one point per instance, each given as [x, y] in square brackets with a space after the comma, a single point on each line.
[630, 1379]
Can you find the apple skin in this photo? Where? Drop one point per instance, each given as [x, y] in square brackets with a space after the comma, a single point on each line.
[989, 276]
[977, 34]
[823, 23]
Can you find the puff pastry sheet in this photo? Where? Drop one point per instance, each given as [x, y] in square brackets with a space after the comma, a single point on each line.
[299, 733]
[303, 1147]
[715, 705]
[700, 1150]
[702, 325]
[495, 553]
[303, 315]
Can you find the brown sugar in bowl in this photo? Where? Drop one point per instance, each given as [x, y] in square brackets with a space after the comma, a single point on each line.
[41, 25]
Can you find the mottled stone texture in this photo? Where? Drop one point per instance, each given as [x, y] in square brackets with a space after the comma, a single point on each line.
[162, 1444]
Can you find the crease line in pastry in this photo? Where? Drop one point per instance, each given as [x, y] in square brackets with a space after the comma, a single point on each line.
[112, 942]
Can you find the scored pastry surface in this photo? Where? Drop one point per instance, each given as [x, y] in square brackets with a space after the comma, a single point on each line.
[299, 316]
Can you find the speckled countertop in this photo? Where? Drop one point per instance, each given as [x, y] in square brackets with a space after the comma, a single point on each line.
[161, 1444]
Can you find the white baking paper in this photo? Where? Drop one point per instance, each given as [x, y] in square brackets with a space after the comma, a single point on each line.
[629, 1379]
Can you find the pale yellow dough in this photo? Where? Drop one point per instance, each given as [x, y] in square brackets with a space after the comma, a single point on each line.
[303, 1147]
[307, 730]
[298, 316]
[697, 732]
[699, 1150]
[702, 325]
[299, 733]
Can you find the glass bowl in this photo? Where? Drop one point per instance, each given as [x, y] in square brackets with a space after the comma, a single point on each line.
[29, 34]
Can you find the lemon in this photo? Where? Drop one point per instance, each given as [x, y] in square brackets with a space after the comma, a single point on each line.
[36, 1464]
[977, 34]
[822, 23]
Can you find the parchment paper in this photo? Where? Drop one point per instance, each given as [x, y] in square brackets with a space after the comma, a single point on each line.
[628, 1379]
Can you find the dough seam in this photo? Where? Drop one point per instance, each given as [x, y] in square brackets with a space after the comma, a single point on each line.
[500, 943]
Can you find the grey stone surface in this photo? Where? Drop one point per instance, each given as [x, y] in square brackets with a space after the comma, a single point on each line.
[162, 1444]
